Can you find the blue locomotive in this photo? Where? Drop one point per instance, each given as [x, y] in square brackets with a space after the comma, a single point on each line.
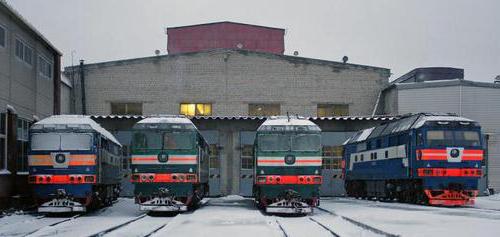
[420, 158]
[74, 164]
[287, 165]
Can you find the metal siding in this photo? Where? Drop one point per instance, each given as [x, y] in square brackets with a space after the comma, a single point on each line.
[442, 99]
[494, 162]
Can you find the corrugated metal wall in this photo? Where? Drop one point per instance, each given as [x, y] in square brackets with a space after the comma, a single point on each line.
[478, 103]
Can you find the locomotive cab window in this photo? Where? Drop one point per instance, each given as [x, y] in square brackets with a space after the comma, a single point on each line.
[60, 141]
[147, 140]
[274, 142]
[306, 142]
[177, 140]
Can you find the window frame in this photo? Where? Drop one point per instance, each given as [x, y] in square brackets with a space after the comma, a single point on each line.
[49, 62]
[196, 104]
[4, 164]
[250, 105]
[24, 46]
[4, 37]
[330, 106]
[126, 104]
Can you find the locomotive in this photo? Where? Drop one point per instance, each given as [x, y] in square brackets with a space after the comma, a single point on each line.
[169, 164]
[421, 158]
[74, 164]
[287, 165]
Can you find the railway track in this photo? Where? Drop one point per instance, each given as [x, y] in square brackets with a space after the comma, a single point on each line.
[113, 228]
[53, 224]
[359, 224]
[289, 233]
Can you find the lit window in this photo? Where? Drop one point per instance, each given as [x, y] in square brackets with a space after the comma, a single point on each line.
[264, 109]
[326, 110]
[126, 108]
[2, 36]
[45, 68]
[201, 109]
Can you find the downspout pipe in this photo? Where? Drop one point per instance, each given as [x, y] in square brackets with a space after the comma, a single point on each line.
[82, 82]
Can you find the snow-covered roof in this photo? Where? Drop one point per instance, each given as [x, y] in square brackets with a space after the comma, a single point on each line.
[178, 119]
[77, 120]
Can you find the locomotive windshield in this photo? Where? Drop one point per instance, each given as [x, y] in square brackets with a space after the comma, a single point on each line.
[61, 141]
[297, 142]
[306, 142]
[274, 142]
[163, 140]
[453, 138]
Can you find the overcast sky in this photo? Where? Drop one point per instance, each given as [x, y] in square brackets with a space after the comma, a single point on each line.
[395, 34]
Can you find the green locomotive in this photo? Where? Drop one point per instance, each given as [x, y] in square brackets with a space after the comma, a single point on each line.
[287, 165]
[169, 164]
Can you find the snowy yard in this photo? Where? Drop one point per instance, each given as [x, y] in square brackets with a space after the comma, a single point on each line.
[237, 216]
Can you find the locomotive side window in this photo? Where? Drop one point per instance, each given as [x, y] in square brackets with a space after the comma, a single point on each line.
[73, 141]
[177, 141]
[45, 141]
[306, 142]
[274, 142]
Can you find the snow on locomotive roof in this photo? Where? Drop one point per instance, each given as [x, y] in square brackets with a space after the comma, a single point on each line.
[77, 119]
[286, 121]
[167, 119]
[424, 119]
[410, 122]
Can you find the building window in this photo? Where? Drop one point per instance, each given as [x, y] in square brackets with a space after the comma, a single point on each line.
[246, 142]
[3, 36]
[327, 110]
[332, 149]
[24, 52]
[264, 109]
[45, 67]
[199, 109]
[126, 108]
[22, 144]
[3, 141]
[213, 156]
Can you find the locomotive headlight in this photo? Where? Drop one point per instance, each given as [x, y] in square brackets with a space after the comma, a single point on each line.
[261, 171]
[316, 172]
[190, 170]
[261, 179]
[89, 179]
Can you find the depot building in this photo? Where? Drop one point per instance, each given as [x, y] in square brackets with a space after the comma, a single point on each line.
[228, 77]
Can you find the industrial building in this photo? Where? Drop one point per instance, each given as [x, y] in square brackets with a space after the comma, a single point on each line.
[29, 89]
[444, 90]
[228, 77]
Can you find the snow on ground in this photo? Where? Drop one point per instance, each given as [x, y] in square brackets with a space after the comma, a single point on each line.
[230, 216]
[417, 220]
[237, 216]
[488, 202]
[86, 225]
[20, 225]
